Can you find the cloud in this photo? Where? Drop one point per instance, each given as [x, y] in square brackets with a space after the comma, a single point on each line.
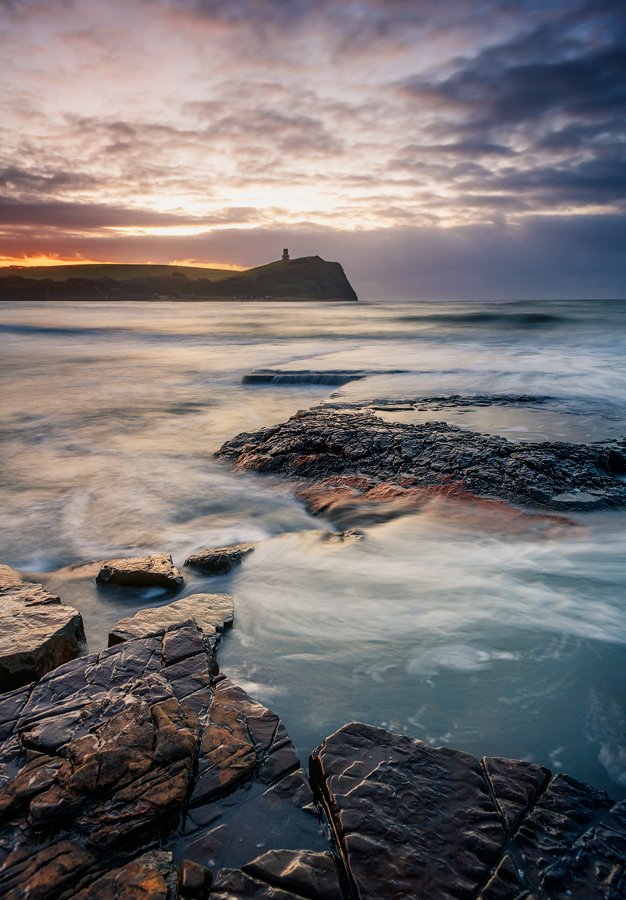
[544, 257]
[267, 117]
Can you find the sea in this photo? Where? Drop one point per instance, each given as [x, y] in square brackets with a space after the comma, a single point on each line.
[453, 629]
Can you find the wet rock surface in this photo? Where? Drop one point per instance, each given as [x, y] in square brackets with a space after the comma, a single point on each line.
[280, 875]
[322, 443]
[156, 570]
[308, 376]
[149, 876]
[414, 821]
[109, 756]
[142, 772]
[220, 560]
[211, 613]
[37, 632]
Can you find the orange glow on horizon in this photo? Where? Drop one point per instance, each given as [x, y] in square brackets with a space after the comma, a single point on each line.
[26, 262]
[194, 264]
[15, 263]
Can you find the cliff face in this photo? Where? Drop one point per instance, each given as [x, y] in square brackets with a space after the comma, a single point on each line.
[307, 278]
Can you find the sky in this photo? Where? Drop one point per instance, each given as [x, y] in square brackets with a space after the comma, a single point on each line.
[458, 149]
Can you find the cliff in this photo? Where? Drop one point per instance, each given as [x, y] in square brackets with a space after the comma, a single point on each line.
[307, 278]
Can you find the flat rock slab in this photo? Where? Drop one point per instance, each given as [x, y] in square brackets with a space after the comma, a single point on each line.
[111, 752]
[282, 875]
[37, 633]
[211, 613]
[322, 443]
[156, 570]
[412, 821]
[220, 560]
[308, 376]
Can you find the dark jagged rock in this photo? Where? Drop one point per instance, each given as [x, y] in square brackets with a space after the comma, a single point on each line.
[37, 633]
[407, 817]
[243, 737]
[102, 756]
[220, 560]
[414, 821]
[211, 613]
[150, 877]
[282, 875]
[307, 376]
[309, 874]
[156, 570]
[322, 443]
[194, 880]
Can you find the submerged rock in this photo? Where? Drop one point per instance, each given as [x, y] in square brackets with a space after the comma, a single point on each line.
[37, 633]
[336, 377]
[156, 570]
[414, 821]
[211, 613]
[322, 443]
[220, 560]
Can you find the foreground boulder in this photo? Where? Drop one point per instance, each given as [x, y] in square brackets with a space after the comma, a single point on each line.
[211, 613]
[156, 570]
[139, 746]
[37, 633]
[324, 443]
[220, 560]
[414, 821]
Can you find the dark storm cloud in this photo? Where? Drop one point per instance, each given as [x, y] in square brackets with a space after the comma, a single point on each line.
[556, 70]
[91, 216]
[351, 128]
[543, 257]
[600, 181]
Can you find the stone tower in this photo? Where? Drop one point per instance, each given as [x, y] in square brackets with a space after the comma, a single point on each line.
[285, 255]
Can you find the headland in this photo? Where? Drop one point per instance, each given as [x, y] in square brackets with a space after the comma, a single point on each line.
[306, 278]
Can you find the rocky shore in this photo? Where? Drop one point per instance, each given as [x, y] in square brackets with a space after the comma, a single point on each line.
[340, 453]
[142, 772]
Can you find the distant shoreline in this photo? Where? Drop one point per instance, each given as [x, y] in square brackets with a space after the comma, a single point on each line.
[306, 279]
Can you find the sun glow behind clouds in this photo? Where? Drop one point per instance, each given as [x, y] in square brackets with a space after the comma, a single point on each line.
[184, 120]
[15, 263]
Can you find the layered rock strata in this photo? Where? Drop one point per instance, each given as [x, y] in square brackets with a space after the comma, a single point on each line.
[156, 570]
[322, 443]
[141, 772]
[37, 632]
[210, 612]
[282, 875]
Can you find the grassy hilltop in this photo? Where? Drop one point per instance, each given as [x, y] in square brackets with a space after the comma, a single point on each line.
[306, 278]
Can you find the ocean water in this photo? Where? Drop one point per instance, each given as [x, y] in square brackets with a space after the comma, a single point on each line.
[454, 629]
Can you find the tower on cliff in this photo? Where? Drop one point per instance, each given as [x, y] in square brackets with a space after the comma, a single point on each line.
[285, 256]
